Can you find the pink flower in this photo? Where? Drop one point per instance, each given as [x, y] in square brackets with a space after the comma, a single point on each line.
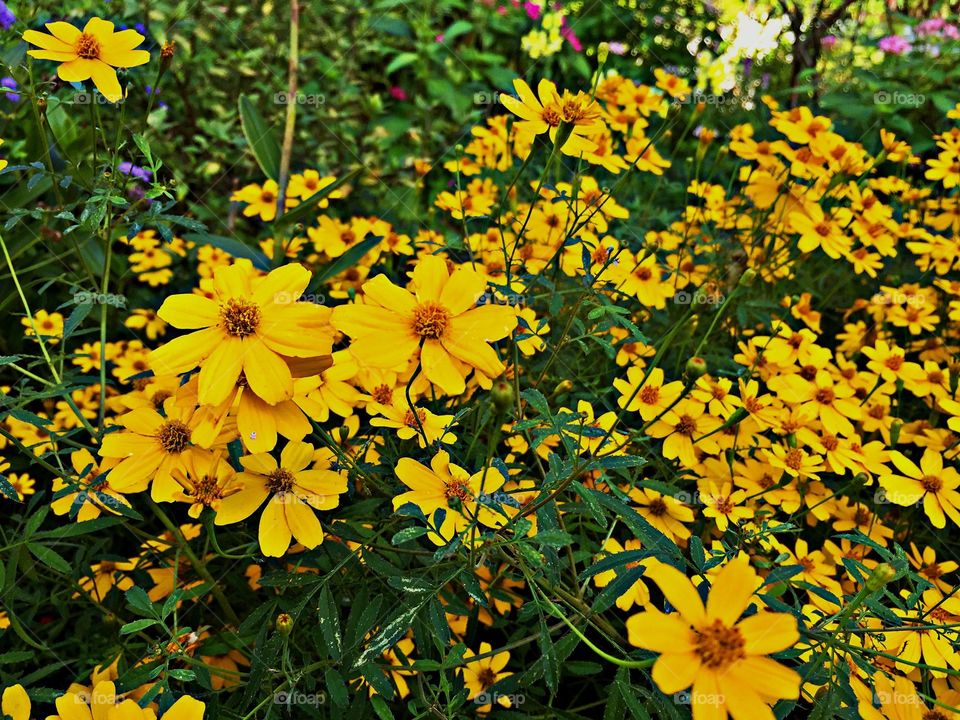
[828, 41]
[398, 93]
[533, 10]
[895, 45]
[439, 38]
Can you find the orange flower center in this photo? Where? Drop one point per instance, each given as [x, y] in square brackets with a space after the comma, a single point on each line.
[174, 436]
[686, 425]
[280, 481]
[931, 483]
[720, 646]
[410, 420]
[240, 317]
[382, 394]
[657, 507]
[457, 489]
[430, 320]
[650, 395]
[206, 490]
[88, 47]
[793, 459]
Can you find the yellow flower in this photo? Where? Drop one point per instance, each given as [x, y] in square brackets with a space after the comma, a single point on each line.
[448, 488]
[933, 483]
[49, 326]
[579, 113]
[480, 675]
[249, 327]
[440, 315]
[92, 492]
[708, 648]
[16, 703]
[90, 54]
[295, 493]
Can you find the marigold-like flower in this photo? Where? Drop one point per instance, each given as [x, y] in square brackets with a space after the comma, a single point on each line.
[713, 650]
[89, 54]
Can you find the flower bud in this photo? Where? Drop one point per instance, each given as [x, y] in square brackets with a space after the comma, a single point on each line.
[881, 575]
[696, 368]
[748, 276]
[502, 395]
[284, 624]
[603, 52]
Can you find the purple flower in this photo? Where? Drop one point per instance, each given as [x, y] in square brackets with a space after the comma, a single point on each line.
[828, 41]
[10, 84]
[617, 48]
[7, 18]
[895, 45]
[933, 26]
[533, 10]
[134, 171]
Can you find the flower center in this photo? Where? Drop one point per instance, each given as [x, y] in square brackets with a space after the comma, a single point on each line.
[487, 677]
[931, 483]
[410, 420]
[174, 436]
[430, 320]
[88, 47]
[720, 646]
[657, 507]
[240, 317]
[280, 481]
[793, 459]
[650, 395]
[686, 425]
[206, 490]
[382, 394]
[457, 489]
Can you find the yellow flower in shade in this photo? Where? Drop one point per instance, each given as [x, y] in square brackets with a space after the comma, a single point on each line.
[480, 675]
[647, 395]
[450, 488]
[90, 54]
[638, 593]
[725, 660]
[91, 494]
[250, 326]
[665, 513]
[398, 416]
[579, 113]
[933, 483]
[439, 314]
[15, 703]
[295, 492]
[48, 326]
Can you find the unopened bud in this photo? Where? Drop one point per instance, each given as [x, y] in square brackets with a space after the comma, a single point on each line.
[748, 276]
[502, 395]
[696, 368]
[41, 104]
[564, 386]
[284, 624]
[603, 52]
[881, 575]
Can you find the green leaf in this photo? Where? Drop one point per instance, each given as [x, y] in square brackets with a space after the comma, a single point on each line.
[407, 534]
[260, 138]
[329, 617]
[49, 558]
[8, 490]
[401, 61]
[137, 626]
[339, 695]
[138, 599]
